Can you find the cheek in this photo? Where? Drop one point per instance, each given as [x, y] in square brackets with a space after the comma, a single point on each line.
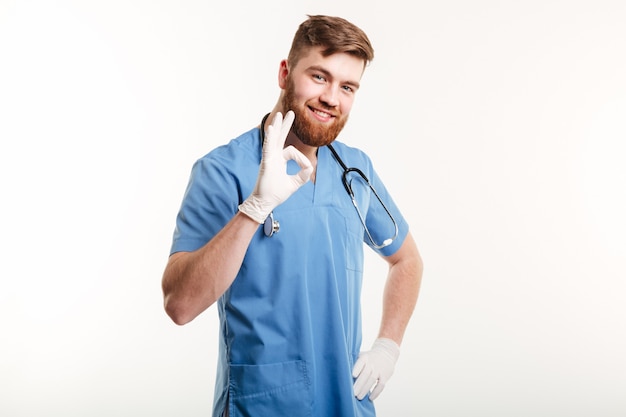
[346, 105]
[309, 92]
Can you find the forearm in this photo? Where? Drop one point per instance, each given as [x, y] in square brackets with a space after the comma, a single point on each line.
[193, 281]
[401, 291]
[373, 368]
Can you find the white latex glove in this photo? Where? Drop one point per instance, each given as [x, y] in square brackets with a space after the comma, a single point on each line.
[374, 368]
[274, 185]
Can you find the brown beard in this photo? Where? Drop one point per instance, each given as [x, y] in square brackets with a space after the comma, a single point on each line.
[310, 133]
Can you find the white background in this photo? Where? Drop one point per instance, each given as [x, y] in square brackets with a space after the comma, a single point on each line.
[499, 126]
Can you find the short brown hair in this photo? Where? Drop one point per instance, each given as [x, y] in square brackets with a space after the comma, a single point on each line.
[334, 34]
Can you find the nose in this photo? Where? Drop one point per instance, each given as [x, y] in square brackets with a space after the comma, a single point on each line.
[330, 96]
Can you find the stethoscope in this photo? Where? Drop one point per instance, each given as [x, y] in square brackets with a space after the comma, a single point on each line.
[272, 226]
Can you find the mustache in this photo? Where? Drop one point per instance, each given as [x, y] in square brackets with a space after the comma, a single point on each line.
[323, 106]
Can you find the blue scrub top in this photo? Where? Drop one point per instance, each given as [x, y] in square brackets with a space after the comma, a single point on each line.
[290, 324]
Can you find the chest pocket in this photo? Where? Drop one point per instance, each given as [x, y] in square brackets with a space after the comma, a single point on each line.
[354, 242]
[355, 231]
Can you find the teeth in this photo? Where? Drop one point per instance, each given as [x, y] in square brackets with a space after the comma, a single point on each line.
[321, 113]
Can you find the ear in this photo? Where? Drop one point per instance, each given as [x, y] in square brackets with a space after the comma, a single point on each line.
[283, 72]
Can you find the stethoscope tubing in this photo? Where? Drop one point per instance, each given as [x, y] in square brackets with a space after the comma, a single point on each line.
[272, 226]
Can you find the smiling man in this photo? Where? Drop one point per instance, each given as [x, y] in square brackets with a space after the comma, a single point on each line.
[288, 292]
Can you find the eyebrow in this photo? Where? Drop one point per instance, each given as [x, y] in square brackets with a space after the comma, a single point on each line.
[324, 71]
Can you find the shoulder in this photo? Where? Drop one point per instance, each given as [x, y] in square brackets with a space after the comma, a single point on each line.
[352, 156]
[242, 151]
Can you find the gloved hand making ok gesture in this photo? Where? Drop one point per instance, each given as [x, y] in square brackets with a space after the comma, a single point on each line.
[274, 185]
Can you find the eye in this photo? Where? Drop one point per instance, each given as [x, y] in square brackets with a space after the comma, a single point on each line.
[319, 77]
[348, 89]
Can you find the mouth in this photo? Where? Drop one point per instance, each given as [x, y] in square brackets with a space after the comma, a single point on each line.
[321, 115]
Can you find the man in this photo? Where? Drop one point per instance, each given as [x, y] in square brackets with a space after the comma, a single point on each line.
[288, 297]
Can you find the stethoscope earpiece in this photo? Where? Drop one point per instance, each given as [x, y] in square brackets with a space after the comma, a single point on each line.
[270, 226]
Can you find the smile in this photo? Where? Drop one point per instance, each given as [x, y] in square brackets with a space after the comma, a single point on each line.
[321, 115]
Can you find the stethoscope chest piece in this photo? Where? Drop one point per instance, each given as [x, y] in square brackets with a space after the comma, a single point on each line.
[270, 226]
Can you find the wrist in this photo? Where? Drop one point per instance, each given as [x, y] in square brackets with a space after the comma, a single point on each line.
[387, 345]
[254, 208]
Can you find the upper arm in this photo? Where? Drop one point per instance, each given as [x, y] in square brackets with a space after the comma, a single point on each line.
[408, 254]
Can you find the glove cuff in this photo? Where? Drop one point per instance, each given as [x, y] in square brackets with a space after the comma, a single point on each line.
[255, 209]
[388, 346]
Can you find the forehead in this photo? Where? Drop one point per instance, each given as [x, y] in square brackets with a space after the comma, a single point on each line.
[340, 65]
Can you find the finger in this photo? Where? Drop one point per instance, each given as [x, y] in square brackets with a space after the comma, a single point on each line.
[290, 116]
[363, 388]
[277, 121]
[306, 169]
[377, 390]
[359, 392]
[283, 129]
[358, 367]
[274, 131]
[290, 152]
[304, 174]
[364, 383]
